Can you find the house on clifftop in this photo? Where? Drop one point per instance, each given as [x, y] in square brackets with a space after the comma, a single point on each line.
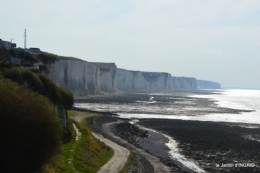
[7, 44]
[6, 56]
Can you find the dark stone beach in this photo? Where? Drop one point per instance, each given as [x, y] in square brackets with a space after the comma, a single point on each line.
[211, 143]
[208, 144]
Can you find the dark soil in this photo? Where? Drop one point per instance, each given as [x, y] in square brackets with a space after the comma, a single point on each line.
[211, 143]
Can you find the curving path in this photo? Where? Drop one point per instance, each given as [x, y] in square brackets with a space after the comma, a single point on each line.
[118, 160]
[157, 164]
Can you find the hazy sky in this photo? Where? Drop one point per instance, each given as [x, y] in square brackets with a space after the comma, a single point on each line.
[216, 40]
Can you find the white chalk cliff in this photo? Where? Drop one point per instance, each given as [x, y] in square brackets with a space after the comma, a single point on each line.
[81, 77]
[204, 84]
[84, 78]
[128, 80]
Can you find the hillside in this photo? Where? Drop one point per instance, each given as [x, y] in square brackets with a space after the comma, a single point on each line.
[36, 110]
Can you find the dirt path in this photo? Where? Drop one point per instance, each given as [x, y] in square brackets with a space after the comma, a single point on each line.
[118, 160]
[158, 165]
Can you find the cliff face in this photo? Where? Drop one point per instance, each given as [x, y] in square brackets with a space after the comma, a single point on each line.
[80, 77]
[184, 83]
[107, 78]
[127, 80]
[87, 78]
[204, 84]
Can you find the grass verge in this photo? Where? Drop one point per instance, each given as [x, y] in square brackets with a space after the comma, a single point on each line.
[129, 163]
[86, 155]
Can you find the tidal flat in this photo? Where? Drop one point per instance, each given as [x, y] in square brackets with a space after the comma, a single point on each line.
[177, 103]
[207, 143]
[212, 143]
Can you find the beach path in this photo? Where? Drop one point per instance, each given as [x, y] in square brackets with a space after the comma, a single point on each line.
[118, 160]
[157, 164]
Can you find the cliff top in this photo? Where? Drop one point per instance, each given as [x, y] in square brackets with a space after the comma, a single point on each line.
[103, 64]
[68, 57]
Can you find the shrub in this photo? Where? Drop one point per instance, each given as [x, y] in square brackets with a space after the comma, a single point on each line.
[50, 89]
[15, 74]
[40, 83]
[29, 129]
[32, 80]
[67, 98]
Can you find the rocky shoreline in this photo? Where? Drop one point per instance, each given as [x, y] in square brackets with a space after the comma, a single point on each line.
[140, 164]
[212, 143]
[206, 143]
[227, 147]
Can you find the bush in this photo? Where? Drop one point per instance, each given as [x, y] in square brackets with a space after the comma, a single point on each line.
[15, 74]
[30, 130]
[32, 80]
[50, 90]
[67, 98]
[40, 83]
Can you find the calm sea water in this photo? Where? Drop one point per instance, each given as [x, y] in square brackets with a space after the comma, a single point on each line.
[237, 99]
[232, 98]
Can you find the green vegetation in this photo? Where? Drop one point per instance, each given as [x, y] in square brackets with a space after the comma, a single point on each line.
[29, 128]
[40, 83]
[27, 59]
[129, 163]
[88, 153]
[31, 132]
[4, 64]
[47, 58]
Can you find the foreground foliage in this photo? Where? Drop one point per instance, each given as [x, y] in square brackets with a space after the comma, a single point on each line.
[30, 130]
[40, 83]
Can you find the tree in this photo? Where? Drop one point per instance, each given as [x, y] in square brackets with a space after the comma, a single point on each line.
[30, 130]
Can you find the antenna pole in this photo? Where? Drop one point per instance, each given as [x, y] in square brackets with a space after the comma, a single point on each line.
[25, 39]
[11, 43]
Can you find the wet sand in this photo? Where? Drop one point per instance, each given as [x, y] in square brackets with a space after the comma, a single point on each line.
[179, 104]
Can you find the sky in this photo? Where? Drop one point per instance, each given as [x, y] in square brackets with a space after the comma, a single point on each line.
[211, 40]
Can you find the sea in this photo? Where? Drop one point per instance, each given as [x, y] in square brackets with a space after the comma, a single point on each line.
[230, 98]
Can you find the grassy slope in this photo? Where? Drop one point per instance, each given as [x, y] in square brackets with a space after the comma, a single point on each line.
[88, 153]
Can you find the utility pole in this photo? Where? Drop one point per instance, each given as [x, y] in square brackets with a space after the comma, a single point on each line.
[25, 40]
[11, 43]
